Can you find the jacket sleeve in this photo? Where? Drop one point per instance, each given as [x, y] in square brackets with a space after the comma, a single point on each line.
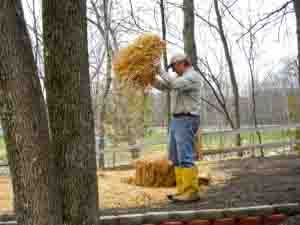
[160, 84]
[182, 83]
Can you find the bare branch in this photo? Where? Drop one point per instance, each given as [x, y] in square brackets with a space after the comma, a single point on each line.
[197, 15]
[266, 17]
[231, 14]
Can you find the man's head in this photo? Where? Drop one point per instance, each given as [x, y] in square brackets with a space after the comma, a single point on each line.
[179, 63]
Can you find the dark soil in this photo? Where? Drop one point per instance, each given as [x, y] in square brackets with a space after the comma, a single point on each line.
[254, 181]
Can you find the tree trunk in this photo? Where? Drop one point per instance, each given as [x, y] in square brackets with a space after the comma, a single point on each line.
[189, 31]
[108, 47]
[70, 108]
[234, 84]
[24, 120]
[165, 58]
[251, 63]
[297, 11]
[101, 161]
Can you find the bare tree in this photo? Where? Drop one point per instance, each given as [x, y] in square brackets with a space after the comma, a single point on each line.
[70, 109]
[102, 9]
[250, 56]
[109, 50]
[165, 56]
[269, 19]
[24, 120]
[108, 79]
[234, 84]
[297, 12]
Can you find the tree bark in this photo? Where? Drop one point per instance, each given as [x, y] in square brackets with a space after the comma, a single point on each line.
[70, 108]
[228, 57]
[189, 31]
[24, 120]
[297, 13]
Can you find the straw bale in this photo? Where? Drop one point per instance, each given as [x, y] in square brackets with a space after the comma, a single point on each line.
[153, 173]
[136, 61]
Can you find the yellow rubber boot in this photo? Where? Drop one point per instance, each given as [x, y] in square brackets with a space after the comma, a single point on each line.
[190, 185]
[179, 182]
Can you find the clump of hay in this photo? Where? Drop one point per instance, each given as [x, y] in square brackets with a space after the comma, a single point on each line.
[135, 62]
[153, 173]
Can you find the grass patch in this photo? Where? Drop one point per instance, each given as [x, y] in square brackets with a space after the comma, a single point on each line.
[158, 139]
[2, 149]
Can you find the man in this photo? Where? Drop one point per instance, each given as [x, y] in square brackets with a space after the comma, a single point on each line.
[184, 124]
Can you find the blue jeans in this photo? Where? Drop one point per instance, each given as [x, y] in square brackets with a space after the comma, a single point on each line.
[181, 142]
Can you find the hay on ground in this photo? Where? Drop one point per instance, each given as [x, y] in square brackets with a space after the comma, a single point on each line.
[115, 193]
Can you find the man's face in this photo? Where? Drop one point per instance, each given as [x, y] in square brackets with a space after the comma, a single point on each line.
[179, 68]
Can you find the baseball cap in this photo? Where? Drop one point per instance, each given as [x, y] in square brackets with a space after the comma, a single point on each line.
[176, 59]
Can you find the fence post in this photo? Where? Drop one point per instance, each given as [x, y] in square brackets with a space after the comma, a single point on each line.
[114, 159]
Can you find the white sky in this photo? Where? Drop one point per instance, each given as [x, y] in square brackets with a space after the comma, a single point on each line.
[273, 43]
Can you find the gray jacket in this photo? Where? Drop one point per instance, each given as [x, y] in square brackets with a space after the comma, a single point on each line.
[186, 89]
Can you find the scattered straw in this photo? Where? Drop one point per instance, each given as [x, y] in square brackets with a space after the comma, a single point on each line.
[115, 193]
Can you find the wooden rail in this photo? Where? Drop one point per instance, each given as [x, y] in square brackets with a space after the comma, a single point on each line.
[222, 150]
[247, 147]
[3, 164]
[262, 128]
[234, 132]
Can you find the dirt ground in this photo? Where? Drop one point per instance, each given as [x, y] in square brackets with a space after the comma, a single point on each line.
[115, 191]
[248, 182]
[235, 183]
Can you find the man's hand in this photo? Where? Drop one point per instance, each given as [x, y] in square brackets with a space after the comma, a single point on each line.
[147, 90]
[157, 65]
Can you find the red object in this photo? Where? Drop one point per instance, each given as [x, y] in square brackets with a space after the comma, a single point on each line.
[199, 222]
[275, 219]
[254, 220]
[227, 221]
[172, 223]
